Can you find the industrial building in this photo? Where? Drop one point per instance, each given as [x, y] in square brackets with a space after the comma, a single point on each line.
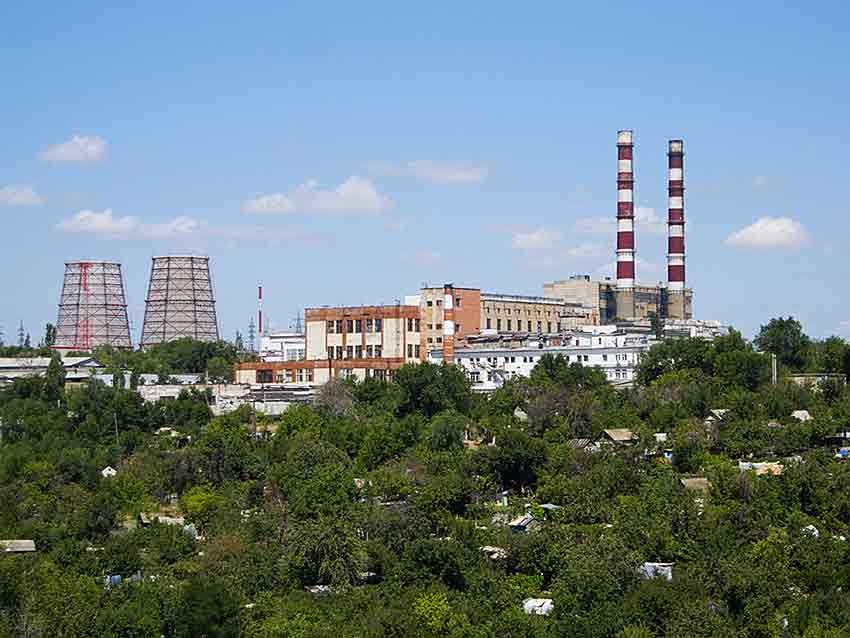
[601, 298]
[348, 342]
[490, 360]
[473, 312]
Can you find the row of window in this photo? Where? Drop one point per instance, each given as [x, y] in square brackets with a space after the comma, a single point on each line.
[510, 325]
[413, 351]
[487, 309]
[413, 325]
[348, 373]
[302, 375]
[439, 302]
[354, 352]
[335, 326]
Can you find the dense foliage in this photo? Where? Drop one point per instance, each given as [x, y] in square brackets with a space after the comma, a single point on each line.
[385, 493]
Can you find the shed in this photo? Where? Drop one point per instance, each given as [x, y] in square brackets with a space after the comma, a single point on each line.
[802, 415]
[108, 472]
[17, 546]
[657, 570]
[538, 606]
[695, 484]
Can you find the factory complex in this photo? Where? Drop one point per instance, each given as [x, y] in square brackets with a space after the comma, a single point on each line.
[494, 336]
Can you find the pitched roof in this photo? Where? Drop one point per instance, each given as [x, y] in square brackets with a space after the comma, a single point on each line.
[620, 435]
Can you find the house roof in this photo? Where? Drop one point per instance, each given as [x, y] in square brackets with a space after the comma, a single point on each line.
[620, 435]
[17, 546]
[695, 484]
[579, 444]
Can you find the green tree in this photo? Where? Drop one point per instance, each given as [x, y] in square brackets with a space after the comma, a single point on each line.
[49, 335]
[785, 338]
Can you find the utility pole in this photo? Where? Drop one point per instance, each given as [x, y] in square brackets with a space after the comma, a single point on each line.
[774, 371]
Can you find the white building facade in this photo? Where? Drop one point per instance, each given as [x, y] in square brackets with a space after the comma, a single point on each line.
[617, 354]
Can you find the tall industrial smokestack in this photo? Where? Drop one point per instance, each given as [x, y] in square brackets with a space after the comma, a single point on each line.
[625, 226]
[675, 230]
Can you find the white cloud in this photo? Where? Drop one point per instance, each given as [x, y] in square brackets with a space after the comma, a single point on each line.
[535, 239]
[646, 220]
[355, 196]
[437, 172]
[422, 257]
[80, 149]
[20, 195]
[106, 224]
[770, 232]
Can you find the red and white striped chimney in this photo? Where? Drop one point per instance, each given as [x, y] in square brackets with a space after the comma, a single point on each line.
[675, 230]
[625, 226]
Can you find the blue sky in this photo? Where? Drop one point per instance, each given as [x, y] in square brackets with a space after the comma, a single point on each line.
[344, 153]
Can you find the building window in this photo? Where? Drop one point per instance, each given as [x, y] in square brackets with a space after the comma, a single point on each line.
[339, 352]
[475, 377]
[529, 326]
[330, 352]
[586, 358]
[280, 377]
[368, 352]
[439, 302]
[377, 352]
[409, 350]
[430, 340]
[457, 302]
[567, 357]
[418, 329]
[539, 326]
[349, 352]
[499, 325]
[409, 325]
[548, 326]
[331, 327]
[559, 326]
[509, 325]
[439, 326]
[416, 350]
[439, 340]
[429, 303]
[605, 357]
[358, 352]
[488, 323]
[358, 325]
[378, 325]
[264, 376]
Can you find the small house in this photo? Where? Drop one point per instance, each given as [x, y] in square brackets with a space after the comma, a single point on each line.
[538, 606]
[657, 570]
[619, 436]
[802, 415]
[108, 472]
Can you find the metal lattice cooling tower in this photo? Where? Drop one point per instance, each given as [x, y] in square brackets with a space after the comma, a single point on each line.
[92, 308]
[180, 301]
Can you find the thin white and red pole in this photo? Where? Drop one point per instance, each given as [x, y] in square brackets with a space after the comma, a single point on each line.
[260, 310]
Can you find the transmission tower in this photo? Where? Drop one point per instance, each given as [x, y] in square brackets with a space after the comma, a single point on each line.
[252, 335]
[180, 301]
[92, 308]
[21, 333]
